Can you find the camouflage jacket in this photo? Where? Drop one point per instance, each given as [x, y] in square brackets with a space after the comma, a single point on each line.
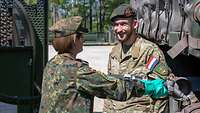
[144, 60]
[68, 86]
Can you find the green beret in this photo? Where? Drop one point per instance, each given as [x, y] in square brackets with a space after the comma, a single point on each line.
[124, 10]
[68, 26]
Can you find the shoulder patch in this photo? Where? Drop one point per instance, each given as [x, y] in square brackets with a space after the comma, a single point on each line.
[162, 70]
[85, 62]
[152, 62]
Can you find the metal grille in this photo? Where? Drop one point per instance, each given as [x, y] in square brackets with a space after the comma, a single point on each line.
[36, 15]
[6, 23]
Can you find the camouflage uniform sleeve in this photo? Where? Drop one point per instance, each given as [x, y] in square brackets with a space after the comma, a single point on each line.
[106, 86]
[156, 64]
[109, 64]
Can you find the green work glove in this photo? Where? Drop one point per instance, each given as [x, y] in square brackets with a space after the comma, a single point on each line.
[155, 88]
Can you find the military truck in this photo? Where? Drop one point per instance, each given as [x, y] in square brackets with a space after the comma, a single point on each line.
[175, 26]
[23, 52]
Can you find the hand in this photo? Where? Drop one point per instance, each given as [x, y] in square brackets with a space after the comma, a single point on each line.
[170, 86]
[171, 77]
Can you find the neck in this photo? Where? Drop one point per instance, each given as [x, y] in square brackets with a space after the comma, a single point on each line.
[71, 55]
[74, 55]
[131, 40]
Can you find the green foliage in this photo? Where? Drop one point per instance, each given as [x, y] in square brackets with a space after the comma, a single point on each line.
[57, 2]
[78, 9]
[82, 8]
[94, 26]
[31, 2]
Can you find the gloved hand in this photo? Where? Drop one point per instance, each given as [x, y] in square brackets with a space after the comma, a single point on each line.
[159, 88]
[155, 88]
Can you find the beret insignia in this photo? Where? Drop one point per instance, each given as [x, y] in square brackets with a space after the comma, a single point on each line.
[128, 12]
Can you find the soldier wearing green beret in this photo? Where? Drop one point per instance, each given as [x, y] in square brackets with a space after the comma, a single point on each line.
[138, 56]
[69, 84]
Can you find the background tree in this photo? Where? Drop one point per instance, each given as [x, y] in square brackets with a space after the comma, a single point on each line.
[95, 12]
[31, 2]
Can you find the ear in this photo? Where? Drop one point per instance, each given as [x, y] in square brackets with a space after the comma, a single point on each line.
[135, 24]
[74, 38]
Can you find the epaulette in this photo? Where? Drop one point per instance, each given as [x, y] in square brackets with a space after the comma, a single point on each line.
[85, 70]
[82, 62]
[85, 62]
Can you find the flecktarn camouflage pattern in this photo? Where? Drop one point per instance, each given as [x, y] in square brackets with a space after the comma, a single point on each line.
[68, 26]
[68, 86]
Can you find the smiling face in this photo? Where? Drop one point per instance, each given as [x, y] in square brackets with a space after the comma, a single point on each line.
[123, 28]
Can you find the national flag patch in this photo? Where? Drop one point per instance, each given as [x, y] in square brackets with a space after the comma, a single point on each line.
[153, 61]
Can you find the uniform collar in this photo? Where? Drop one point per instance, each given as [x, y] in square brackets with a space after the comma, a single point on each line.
[67, 55]
[116, 51]
[133, 51]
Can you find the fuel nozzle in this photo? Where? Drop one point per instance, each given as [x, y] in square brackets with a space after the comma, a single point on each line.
[181, 95]
[179, 88]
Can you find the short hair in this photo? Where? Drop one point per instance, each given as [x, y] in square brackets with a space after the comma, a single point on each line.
[64, 44]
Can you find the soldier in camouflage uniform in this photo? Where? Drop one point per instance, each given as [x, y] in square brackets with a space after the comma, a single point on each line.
[138, 56]
[69, 83]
